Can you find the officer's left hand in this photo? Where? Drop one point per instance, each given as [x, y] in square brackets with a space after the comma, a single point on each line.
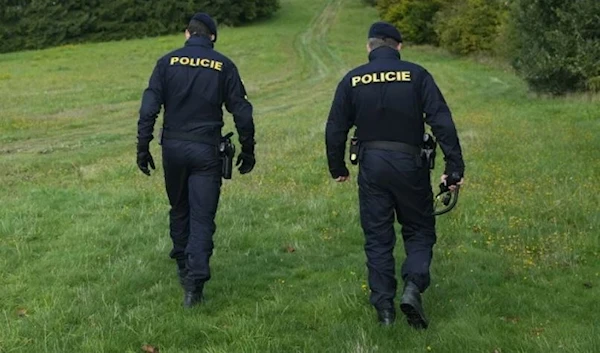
[247, 161]
[144, 158]
[342, 179]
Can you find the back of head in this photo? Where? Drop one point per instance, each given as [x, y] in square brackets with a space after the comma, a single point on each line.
[383, 34]
[202, 25]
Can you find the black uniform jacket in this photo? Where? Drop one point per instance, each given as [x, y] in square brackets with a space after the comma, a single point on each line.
[192, 83]
[389, 99]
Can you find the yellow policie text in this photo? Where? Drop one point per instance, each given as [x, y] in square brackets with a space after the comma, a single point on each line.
[196, 62]
[378, 77]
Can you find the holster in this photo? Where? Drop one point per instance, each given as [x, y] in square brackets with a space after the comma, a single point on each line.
[428, 151]
[227, 151]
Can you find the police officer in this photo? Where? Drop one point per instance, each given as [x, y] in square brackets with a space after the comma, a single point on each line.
[389, 100]
[192, 83]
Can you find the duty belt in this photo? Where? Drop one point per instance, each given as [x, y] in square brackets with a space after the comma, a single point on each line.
[392, 146]
[211, 139]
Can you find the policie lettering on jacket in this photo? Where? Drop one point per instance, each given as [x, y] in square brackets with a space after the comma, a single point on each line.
[196, 62]
[379, 77]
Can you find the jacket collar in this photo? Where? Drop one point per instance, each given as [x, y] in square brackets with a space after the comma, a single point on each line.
[199, 42]
[384, 53]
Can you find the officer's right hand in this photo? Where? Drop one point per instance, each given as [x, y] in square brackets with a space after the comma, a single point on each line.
[144, 159]
[246, 162]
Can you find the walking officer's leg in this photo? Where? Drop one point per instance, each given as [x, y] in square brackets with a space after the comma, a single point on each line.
[204, 198]
[204, 185]
[377, 220]
[415, 213]
[176, 182]
[418, 230]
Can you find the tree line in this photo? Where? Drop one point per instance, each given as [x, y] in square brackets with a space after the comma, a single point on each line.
[37, 24]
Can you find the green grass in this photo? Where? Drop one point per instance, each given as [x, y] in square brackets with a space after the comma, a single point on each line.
[84, 235]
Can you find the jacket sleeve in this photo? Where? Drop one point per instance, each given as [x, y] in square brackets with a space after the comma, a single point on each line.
[439, 117]
[236, 102]
[339, 123]
[152, 101]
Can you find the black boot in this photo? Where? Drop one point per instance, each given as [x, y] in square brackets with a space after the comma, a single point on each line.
[386, 317]
[192, 292]
[192, 298]
[412, 308]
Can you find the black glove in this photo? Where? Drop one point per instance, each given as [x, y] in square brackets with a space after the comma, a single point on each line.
[453, 178]
[144, 158]
[341, 172]
[247, 162]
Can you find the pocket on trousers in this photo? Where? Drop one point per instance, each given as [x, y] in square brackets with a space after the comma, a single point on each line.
[204, 158]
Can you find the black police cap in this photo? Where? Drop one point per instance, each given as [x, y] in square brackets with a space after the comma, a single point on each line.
[208, 22]
[385, 30]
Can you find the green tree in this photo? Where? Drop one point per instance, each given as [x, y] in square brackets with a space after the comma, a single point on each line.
[29, 24]
[558, 44]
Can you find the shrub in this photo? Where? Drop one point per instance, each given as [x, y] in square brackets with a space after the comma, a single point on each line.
[236, 12]
[414, 18]
[558, 44]
[593, 84]
[470, 26]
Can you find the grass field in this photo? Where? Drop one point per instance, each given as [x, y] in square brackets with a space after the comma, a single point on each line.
[84, 235]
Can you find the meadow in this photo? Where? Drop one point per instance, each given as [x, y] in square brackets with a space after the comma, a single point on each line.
[84, 235]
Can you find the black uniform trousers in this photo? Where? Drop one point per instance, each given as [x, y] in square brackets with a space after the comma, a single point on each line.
[397, 183]
[193, 183]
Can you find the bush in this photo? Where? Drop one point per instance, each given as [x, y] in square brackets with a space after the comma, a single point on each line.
[414, 18]
[593, 84]
[505, 47]
[558, 44]
[236, 12]
[470, 26]
[28, 24]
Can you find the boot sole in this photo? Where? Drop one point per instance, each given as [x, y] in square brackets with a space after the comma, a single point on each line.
[413, 316]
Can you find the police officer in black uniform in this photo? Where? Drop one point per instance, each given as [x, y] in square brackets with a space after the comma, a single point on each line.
[389, 100]
[192, 83]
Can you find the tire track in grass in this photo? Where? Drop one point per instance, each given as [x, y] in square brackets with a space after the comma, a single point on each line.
[318, 61]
